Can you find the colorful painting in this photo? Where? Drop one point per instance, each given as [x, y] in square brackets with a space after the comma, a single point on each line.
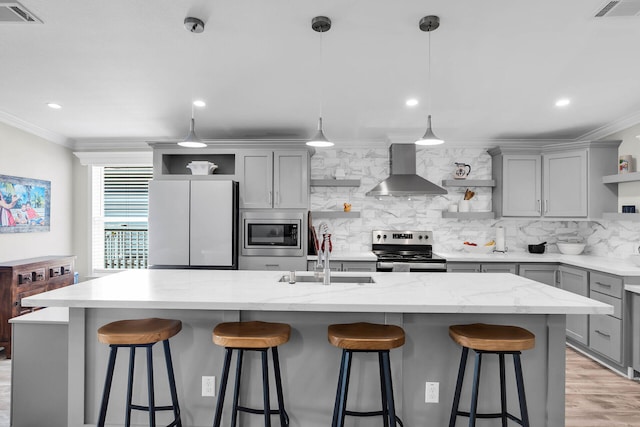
[25, 204]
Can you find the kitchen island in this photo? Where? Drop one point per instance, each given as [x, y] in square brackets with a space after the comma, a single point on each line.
[424, 304]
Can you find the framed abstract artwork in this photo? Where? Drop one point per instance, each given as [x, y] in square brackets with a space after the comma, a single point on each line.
[25, 204]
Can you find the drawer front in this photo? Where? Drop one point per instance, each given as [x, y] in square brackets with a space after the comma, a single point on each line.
[605, 334]
[499, 268]
[615, 302]
[610, 285]
[39, 275]
[25, 277]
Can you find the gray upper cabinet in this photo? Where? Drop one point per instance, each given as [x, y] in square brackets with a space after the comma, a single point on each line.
[521, 184]
[565, 184]
[554, 181]
[274, 179]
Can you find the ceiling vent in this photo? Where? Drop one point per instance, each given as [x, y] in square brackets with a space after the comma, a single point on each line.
[619, 8]
[14, 12]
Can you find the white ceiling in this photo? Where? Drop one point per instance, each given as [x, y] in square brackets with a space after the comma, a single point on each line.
[128, 70]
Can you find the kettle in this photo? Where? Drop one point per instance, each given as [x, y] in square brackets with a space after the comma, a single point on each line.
[462, 170]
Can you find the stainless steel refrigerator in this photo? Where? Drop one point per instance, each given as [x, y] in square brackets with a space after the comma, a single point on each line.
[193, 224]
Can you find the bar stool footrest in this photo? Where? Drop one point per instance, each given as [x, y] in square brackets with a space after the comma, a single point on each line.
[371, 414]
[495, 415]
[157, 408]
[260, 411]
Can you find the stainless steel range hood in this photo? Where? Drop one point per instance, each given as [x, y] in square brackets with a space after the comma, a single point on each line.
[403, 180]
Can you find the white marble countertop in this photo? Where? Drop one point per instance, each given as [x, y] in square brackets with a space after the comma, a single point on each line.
[260, 290]
[620, 267]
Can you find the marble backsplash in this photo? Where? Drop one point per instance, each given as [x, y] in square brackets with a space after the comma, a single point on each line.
[604, 238]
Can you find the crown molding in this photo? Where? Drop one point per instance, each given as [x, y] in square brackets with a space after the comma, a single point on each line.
[50, 136]
[611, 128]
[114, 158]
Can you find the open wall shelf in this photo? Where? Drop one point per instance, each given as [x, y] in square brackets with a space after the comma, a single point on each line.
[622, 177]
[335, 183]
[334, 214]
[468, 183]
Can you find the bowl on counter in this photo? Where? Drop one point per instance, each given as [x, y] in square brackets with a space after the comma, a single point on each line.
[571, 248]
[201, 167]
[537, 249]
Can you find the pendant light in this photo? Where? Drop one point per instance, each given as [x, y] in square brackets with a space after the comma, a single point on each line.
[428, 24]
[320, 24]
[192, 141]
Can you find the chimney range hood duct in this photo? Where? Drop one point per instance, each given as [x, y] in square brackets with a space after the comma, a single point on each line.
[403, 180]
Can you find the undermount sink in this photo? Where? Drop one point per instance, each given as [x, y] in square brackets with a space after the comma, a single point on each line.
[334, 279]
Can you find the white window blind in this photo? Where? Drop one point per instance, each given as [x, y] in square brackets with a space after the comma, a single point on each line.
[120, 217]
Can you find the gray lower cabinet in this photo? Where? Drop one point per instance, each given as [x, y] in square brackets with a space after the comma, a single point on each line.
[576, 280]
[471, 267]
[606, 331]
[543, 273]
[352, 266]
[635, 332]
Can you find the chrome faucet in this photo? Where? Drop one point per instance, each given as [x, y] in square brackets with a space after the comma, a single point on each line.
[323, 266]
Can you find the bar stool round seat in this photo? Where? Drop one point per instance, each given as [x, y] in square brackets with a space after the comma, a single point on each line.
[491, 339]
[365, 338]
[140, 333]
[251, 336]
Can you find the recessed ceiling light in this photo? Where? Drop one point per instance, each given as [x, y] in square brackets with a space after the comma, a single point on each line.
[54, 105]
[199, 103]
[411, 102]
[563, 102]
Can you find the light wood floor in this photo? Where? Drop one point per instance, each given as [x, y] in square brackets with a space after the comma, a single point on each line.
[595, 396]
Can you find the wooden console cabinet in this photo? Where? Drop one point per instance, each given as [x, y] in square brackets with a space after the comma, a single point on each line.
[26, 277]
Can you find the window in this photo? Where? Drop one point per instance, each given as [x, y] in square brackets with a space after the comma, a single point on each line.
[120, 210]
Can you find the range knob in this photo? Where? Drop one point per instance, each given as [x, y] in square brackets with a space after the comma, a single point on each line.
[419, 237]
[385, 236]
[378, 236]
[426, 237]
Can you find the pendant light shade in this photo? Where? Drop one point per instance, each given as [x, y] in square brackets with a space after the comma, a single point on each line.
[319, 140]
[428, 24]
[429, 138]
[192, 141]
[320, 24]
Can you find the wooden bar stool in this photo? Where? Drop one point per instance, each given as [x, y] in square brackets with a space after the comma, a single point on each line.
[142, 333]
[251, 336]
[365, 338]
[491, 339]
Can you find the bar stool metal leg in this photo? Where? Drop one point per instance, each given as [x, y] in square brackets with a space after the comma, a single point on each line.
[344, 388]
[107, 386]
[265, 392]
[456, 396]
[503, 392]
[336, 406]
[389, 386]
[132, 362]
[474, 393]
[236, 391]
[152, 403]
[524, 414]
[172, 383]
[383, 393]
[223, 387]
[284, 417]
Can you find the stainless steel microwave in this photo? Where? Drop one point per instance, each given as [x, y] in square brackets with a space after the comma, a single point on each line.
[272, 233]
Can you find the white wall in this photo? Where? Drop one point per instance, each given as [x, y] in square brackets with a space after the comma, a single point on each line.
[604, 238]
[25, 155]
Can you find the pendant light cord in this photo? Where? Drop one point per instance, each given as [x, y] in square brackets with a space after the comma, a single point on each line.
[321, 80]
[429, 73]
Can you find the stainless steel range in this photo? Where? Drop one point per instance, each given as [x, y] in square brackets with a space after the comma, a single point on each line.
[406, 251]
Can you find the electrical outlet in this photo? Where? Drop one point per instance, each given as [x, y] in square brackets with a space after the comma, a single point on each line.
[208, 386]
[431, 392]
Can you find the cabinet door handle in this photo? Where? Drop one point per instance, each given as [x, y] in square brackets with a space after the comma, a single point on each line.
[277, 198]
[546, 206]
[540, 206]
[606, 285]
[602, 333]
[270, 197]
